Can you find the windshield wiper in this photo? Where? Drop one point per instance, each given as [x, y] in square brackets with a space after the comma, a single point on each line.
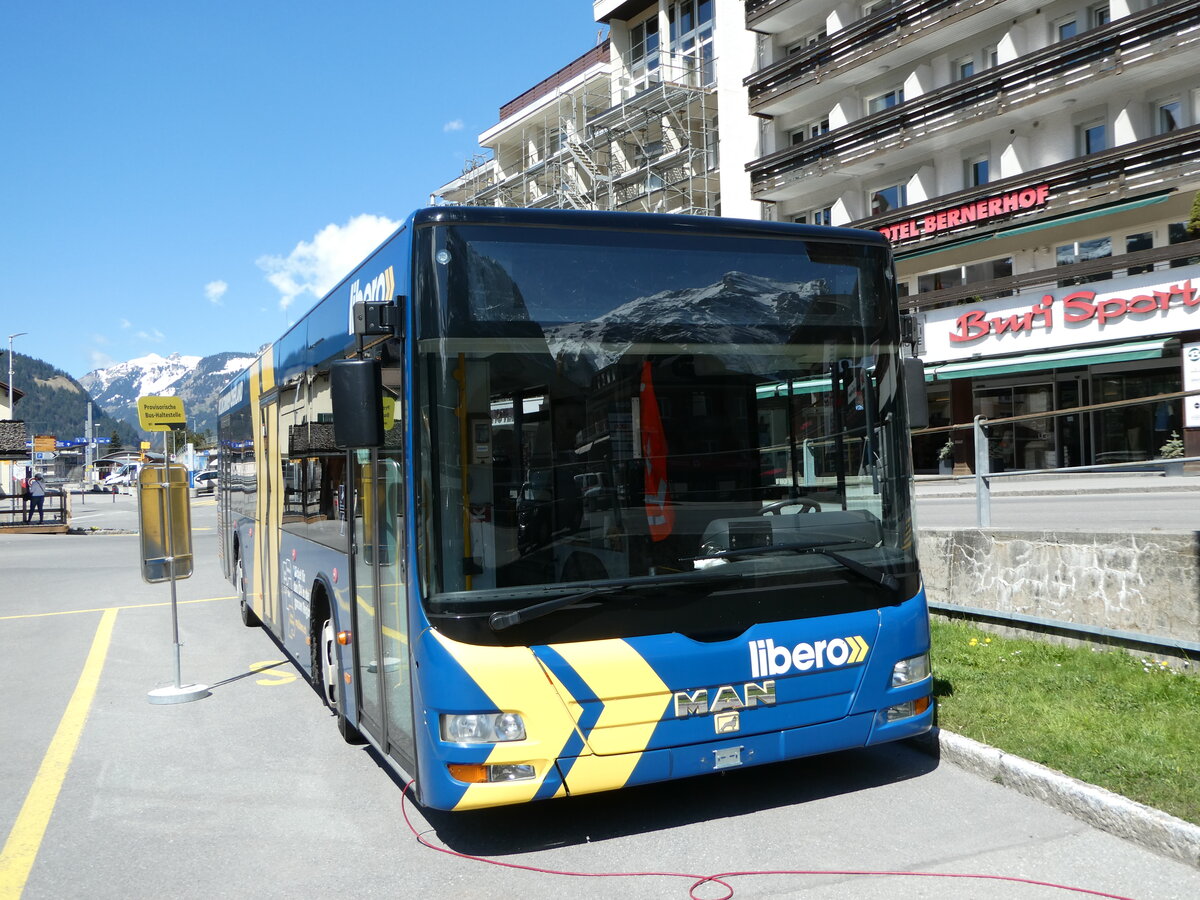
[502, 620]
[883, 579]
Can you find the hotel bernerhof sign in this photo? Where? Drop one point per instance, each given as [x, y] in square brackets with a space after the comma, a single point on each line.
[1139, 306]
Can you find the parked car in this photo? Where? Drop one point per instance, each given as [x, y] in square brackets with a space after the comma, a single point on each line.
[124, 476]
[206, 482]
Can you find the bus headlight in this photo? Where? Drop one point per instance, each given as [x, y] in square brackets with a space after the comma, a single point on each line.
[482, 728]
[910, 670]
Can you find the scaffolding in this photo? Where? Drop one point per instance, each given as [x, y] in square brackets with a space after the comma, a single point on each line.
[608, 142]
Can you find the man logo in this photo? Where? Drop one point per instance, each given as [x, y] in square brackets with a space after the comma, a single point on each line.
[726, 697]
[727, 722]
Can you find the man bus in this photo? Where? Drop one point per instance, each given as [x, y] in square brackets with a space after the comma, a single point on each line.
[553, 502]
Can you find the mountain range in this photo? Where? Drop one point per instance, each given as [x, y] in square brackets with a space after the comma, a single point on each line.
[195, 379]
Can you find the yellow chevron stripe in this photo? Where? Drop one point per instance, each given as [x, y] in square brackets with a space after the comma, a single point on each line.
[514, 681]
[634, 698]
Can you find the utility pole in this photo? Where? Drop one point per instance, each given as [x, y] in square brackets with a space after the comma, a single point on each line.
[11, 401]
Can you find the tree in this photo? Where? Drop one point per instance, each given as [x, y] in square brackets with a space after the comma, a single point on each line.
[114, 443]
[1193, 223]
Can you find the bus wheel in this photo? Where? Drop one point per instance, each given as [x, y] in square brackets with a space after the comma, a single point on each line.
[249, 619]
[327, 672]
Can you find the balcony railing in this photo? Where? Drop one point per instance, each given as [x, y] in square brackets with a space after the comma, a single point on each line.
[1124, 171]
[1060, 66]
[1186, 253]
[856, 44]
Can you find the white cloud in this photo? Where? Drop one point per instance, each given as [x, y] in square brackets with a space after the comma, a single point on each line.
[153, 335]
[455, 125]
[126, 324]
[215, 290]
[100, 360]
[315, 266]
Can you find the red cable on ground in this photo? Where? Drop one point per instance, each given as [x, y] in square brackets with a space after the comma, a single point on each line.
[719, 878]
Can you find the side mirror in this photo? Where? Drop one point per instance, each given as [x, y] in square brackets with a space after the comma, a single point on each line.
[356, 392]
[914, 392]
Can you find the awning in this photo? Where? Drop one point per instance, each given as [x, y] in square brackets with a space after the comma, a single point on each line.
[902, 255]
[1058, 359]
[1081, 216]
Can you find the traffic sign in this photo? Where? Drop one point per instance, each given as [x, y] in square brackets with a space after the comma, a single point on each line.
[44, 455]
[160, 413]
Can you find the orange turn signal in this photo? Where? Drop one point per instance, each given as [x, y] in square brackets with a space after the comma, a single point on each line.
[343, 638]
[471, 773]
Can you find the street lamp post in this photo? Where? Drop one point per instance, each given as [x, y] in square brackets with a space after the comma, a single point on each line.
[11, 401]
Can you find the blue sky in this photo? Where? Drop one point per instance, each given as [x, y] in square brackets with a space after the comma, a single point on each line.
[179, 176]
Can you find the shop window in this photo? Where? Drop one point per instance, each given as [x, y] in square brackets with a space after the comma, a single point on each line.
[1136, 242]
[1028, 444]
[1093, 138]
[885, 101]
[886, 199]
[976, 171]
[1134, 433]
[1083, 251]
[1169, 116]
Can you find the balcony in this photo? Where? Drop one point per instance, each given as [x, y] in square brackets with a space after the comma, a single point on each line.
[772, 88]
[1036, 82]
[1131, 170]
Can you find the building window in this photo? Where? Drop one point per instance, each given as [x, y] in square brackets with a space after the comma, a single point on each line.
[1065, 29]
[1169, 116]
[886, 199]
[1083, 251]
[976, 171]
[1177, 233]
[1099, 15]
[991, 56]
[1093, 138]
[691, 36]
[815, 217]
[643, 50]
[976, 273]
[810, 131]
[1136, 242]
[885, 101]
[964, 68]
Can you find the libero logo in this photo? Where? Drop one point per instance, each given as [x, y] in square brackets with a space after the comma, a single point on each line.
[768, 659]
[380, 289]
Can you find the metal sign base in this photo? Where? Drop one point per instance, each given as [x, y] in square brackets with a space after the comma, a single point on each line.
[183, 694]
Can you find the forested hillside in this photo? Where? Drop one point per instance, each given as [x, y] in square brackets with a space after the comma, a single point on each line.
[55, 403]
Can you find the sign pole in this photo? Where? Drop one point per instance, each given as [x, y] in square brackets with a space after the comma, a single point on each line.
[156, 416]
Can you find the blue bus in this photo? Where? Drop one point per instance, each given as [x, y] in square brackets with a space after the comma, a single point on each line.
[553, 502]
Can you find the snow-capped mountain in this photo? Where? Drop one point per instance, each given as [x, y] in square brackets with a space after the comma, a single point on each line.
[196, 379]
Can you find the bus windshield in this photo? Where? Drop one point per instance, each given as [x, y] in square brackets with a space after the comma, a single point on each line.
[614, 424]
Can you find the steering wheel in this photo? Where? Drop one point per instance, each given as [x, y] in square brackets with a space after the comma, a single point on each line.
[806, 504]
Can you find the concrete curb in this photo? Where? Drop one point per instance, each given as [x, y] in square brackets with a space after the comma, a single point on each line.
[1100, 808]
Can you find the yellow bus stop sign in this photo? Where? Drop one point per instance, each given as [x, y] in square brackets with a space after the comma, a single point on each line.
[160, 413]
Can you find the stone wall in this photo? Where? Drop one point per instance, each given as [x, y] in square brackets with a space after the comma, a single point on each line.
[1143, 583]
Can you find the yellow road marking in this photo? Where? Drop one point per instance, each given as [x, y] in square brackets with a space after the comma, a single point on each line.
[72, 612]
[274, 674]
[21, 848]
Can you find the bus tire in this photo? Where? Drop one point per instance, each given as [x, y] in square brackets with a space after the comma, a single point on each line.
[249, 619]
[327, 670]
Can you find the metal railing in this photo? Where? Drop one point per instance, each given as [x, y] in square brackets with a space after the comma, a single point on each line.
[56, 510]
[982, 476]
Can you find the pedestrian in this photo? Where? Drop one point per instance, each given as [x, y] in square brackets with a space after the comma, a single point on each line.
[37, 497]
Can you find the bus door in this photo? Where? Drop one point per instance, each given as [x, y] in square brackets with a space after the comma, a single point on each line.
[381, 612]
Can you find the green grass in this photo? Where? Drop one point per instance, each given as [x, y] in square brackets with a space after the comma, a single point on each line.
[1125, 723]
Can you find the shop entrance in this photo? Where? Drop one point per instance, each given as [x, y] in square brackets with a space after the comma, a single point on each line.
[1028, 444]
[1134, 433]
